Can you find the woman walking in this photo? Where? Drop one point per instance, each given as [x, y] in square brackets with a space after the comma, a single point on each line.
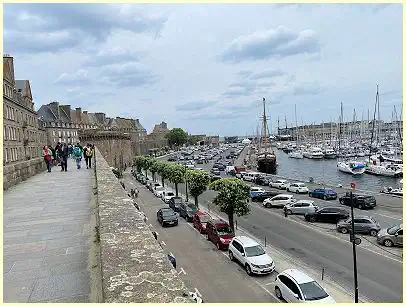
[47, 154]
[77, 155]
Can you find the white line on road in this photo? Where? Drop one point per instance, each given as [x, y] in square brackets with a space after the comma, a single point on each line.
[386, 216]
[197, 291]
[182, 271]
[163, 242]
[270, 293]
[267, 284]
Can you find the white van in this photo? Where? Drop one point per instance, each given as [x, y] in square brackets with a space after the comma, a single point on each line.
[229, 169]
[250, 176]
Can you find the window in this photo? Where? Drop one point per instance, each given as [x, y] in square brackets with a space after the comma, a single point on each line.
[63, 133]
[53, 133]
[6, 155]
[400, 233]
[237, 246]
[59, 133]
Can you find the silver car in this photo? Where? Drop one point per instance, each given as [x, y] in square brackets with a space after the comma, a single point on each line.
[362, 225]
[391, 236]
[300, 207]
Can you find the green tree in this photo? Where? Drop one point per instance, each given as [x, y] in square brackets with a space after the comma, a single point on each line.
[154, 168]
[147, 164]
[139, 162]
[177, 137]
[233, 197]
[163, 171]
[176, 175]
[197, 183]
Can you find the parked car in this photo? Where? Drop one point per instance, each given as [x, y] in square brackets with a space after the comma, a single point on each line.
[154, 186]
[323, 193]
[251, 255]
[300, 207]
[297, 287]
[360, 201]
[260, 197]
[175, 202]
[219, 166]
[362, 225]
[297, 187]
[327, 214]
[220, 233]
[280, 184]
[262, 180]
[172, 159]
[256, 190]
[187, 210]
[166, 216]
[200, 220]
[167, 195]
[279, 201]
[391, 236]
[240, 174]
[215, 178]
[215, 171]
[158, 190]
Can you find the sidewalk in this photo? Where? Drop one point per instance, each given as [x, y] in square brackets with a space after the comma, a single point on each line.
[47, 236]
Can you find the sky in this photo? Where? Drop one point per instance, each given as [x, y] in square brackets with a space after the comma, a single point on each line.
[206, 67]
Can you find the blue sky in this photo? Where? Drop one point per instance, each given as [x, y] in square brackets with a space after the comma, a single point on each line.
[206, 67]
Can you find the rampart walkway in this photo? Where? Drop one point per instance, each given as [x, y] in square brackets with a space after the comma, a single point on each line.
[47, 236]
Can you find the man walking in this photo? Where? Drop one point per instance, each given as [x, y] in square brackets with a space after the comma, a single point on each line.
[88, 154]
[63, 153]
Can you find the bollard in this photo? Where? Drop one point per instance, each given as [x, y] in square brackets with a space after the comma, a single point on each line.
[265, 241]
[322, 274]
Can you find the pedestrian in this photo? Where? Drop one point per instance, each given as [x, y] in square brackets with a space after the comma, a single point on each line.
[172, 260]
[56, 155]
[63, 153]
[70, 149]
[77, 155]
[47, 154]
[53, 155]
[88, 153]
[136, 192]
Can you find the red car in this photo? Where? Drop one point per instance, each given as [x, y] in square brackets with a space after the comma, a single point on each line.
[220, 233]
[200, 220]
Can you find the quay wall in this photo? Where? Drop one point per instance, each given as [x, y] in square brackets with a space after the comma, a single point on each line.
[20, 171]
[134, 268]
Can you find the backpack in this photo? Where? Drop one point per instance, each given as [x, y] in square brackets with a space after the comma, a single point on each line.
[77, 152]
[89, 152]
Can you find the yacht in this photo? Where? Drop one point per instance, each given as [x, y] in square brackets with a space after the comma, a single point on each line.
[384, 169]
[352, 167]
[330, 153]
[314, 153]
[295, 154]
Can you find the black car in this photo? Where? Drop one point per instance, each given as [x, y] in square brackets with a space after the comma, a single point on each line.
[187, 211]
[219, 166]
[215, 178]
[360, 201]
[215, 171]
[175, 202]
[260, 197]
[200, 161]
[327, 215]
[166, 216]
[172, 159]
[261, 180]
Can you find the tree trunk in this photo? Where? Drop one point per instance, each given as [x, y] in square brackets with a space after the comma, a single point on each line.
[176, 188]
[231, 221]
[163, 182]
[146, 173]
[196, 202]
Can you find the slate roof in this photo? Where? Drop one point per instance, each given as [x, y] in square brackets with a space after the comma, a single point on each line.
[21, 85]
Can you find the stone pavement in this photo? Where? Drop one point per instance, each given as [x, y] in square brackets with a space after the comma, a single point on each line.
[47, 237]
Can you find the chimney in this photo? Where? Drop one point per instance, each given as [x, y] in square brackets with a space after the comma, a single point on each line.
[101, 117]
[78, 114]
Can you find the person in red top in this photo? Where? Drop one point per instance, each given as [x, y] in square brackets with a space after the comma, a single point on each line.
[47, 154]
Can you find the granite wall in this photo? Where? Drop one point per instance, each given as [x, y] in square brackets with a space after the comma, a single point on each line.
[20, 171]
[134, 268]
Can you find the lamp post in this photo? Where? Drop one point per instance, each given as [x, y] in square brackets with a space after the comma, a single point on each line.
[353, 240]
[187, 196]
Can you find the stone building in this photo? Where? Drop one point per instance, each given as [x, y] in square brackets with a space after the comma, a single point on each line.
[156, 139]
[23, 135]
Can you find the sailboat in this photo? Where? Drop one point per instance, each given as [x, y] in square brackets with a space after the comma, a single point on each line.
[296, 153]
[348, 166]
[378, 166]
[266, 160]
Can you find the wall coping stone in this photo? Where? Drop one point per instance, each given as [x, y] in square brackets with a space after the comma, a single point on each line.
[134, 267]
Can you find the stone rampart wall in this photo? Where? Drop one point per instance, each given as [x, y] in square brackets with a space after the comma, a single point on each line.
[134, 267]
[20, 171]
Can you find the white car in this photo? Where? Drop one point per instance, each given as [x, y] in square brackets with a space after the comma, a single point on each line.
[167, 195]
[240, 175]
[300, 207]
[251, 255]
[281, 184]
[257, 189]
[296, 287]
[190, 166]
[279, 201]
[297, 187]
[158, 191]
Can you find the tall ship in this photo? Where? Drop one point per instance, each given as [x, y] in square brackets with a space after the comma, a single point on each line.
[266, 159]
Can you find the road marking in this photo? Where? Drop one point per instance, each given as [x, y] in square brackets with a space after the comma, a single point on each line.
[338, 238]
[270, 293]
[163, 242]
[267, 284]
[181, 271]
[198, 292]
[385, 216]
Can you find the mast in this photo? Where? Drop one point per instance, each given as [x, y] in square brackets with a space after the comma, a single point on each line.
[265, 127]
[373, 123]
[297, 134]
[339, 129]
[278, 128]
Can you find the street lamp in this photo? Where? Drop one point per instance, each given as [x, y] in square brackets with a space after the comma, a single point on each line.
[187, 196]
[354, 241]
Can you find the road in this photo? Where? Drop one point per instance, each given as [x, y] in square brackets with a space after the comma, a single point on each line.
[198, 261]
[380, 277]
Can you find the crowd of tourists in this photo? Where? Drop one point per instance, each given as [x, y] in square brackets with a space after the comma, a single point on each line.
[62, 152]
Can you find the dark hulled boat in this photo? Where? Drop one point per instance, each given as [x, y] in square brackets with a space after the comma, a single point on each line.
[266, 160]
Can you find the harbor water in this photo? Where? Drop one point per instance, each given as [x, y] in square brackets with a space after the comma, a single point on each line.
[325, 171]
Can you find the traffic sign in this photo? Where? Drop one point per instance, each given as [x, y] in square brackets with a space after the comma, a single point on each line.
[353, 185]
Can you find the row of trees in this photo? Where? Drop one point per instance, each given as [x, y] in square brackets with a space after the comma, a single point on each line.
[233, 194]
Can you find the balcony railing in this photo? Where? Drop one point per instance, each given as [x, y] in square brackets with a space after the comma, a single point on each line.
[26, 142]
[25, 124]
